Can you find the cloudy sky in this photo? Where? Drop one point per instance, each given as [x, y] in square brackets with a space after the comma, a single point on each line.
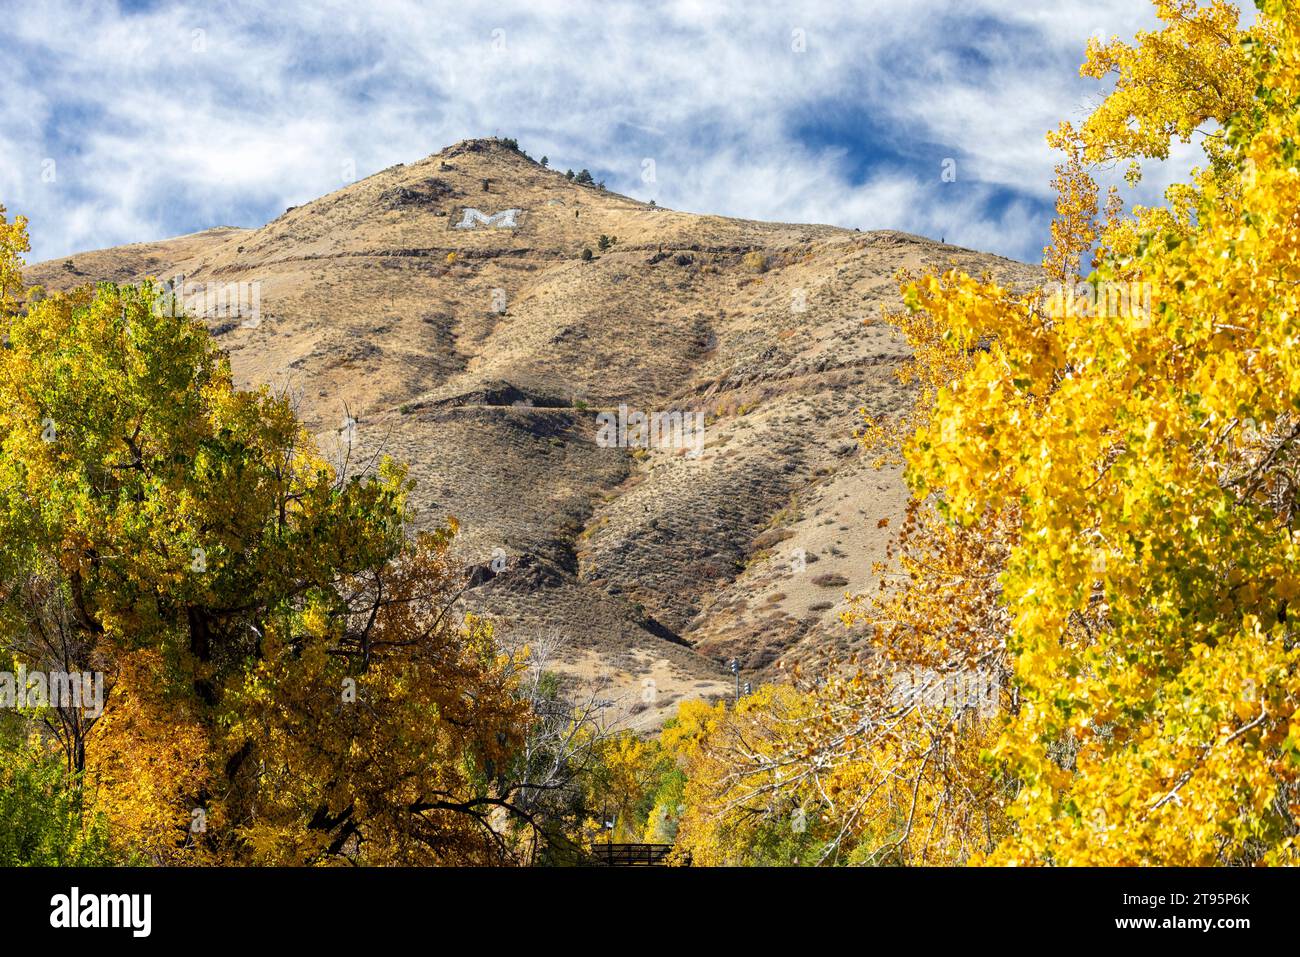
[132, 121]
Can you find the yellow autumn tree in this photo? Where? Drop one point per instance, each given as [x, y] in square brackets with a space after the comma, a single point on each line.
[13, 243]
[877, 761]
[288, 678]
[736, 807]
[1137, 427]
[1103, 530]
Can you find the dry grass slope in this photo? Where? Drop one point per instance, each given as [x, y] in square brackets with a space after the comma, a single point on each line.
[483, 355]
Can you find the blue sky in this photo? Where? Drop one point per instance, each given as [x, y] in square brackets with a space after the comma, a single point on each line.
[127, 122]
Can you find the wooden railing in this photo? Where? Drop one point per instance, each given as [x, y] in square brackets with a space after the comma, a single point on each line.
[631, 855]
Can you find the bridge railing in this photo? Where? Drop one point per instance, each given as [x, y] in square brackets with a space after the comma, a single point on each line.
[631, 855]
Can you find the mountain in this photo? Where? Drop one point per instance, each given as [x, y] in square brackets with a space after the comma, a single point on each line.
[445, 312]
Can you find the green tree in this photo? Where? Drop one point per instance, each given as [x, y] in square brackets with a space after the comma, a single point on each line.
[43, 820]
[282, 660]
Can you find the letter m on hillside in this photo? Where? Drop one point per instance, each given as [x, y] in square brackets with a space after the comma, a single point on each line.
[471, 217]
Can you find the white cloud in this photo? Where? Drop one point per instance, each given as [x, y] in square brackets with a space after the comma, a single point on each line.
[189, 116]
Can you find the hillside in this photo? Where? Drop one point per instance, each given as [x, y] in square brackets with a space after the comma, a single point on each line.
[481, 349]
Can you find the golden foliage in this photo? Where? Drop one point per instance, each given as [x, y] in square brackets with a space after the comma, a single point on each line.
[1145, 459]
[289, 680]
[1105, 528]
